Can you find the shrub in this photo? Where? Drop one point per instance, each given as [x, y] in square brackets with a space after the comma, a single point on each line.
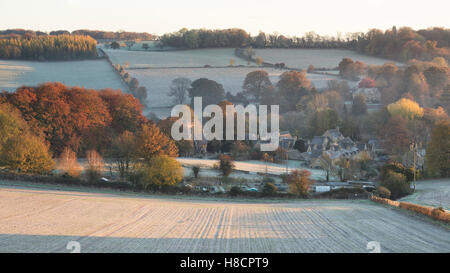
[94, 169]
[268, 180]
[383, 192]
[299, 182]
[161, 171]
[68, 164]
[226, 165]
[269, 189]
[385, 201]
[396, 183]
[416, 208]
[234, 191]
[440, 214]
[195, 170]
[26, 153]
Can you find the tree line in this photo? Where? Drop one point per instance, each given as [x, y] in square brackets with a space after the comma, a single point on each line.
[48, 48]
[46, 127]
[403, 44]
[96, 34]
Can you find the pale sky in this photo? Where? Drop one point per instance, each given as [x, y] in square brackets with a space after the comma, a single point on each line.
[289, 17]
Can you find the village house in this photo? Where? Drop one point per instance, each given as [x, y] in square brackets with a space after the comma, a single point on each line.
[333, 145]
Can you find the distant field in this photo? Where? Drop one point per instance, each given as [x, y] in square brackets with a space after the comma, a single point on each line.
[158, 81]
[302, 58]
[177, 58]
[434, 193]
[255, 166]
[95, 74]
[45, 220]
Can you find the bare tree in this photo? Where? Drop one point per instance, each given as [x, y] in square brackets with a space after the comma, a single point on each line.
[178, 89]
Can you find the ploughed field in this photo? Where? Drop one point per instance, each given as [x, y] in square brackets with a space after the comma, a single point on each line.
[96, 74]
[36, 219]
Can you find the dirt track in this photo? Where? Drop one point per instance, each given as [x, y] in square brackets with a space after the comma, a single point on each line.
[42, 220]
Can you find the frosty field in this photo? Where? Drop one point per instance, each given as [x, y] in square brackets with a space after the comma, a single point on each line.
[95, 74]
[158, 80]
[434, 193]
[176, 58]
[320, 58]
[44, 220]
[255, 166]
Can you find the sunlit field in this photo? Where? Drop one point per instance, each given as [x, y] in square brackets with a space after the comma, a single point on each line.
[178, 58]
[319, 58]
[95, 74]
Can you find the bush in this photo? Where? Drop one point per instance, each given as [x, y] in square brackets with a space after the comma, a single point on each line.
[95, 166]
[299, 182]
[26, 153]
[268, 180]
[396, 183]
[234, 191]
[343, 193]
[68, 164]
[226, 165]
[440, 214]
[160, 171]
[416, 208]
[269, 189]
[195, 170]
[92, 175]
[383, 192]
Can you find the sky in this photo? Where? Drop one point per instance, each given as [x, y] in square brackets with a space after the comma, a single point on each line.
[289, 17]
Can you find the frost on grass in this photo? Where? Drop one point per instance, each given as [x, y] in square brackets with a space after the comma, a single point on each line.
[43, 220]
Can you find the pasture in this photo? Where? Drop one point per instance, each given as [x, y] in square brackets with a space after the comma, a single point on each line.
[320, 58]
[96, 74]
[176, 58]
[158, 80]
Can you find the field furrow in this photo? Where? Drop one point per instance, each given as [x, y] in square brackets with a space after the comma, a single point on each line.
[44, 220]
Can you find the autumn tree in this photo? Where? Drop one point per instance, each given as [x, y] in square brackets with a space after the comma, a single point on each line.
[350, 70]
[396, 135]
[293, 85]
[95, 166]
[259, 60]
[26, 153]
[405, 108]
[68, 163]
[152, 142]
[161, 171]
[20, 149]
[125, 110]
[437, 161]
[124, 152]
[226, 165]
[359, 106]
[366, 83]
[48, 47]
[299, 182]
